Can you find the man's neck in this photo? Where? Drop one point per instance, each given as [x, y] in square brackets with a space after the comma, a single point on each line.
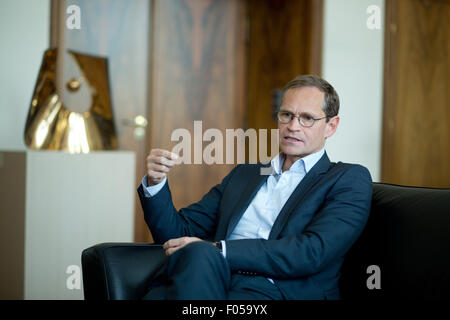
[289, 160]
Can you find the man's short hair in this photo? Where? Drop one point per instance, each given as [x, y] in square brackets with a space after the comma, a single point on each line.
[331, 98]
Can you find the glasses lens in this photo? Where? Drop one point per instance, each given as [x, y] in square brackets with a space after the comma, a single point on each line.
[284, 117]
[306, 121]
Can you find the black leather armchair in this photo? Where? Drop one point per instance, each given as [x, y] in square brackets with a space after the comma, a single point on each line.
[407, 237]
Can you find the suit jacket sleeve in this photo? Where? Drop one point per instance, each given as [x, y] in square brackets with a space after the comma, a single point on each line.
[197, 220]
[330, 234]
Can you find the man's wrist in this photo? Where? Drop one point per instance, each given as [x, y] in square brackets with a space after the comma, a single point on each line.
[150, 191]
[218, 245]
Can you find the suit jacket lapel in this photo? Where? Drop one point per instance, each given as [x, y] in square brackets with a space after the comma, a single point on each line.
[320, 168]
[255, 182]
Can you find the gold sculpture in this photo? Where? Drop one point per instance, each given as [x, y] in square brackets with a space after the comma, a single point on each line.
[50, 125]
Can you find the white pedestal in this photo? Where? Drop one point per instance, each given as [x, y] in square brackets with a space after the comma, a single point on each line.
[52, 206]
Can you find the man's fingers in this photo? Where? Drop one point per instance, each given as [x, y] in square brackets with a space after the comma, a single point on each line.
[164, 153]
[166, 245]
[170, 251]
[160, 160]
[173, 245]
[158, 168]
[175, 242]
[159, 163]
[163, 161]
[163, 157]
[169, 243]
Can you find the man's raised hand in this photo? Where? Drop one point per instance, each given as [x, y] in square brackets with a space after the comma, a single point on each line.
[159, 163]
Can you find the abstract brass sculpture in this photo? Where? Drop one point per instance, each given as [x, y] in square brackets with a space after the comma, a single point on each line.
[51, 126]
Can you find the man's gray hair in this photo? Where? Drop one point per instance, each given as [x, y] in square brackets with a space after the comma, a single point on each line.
[331, 98]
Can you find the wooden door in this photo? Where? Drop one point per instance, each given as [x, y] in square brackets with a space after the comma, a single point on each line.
[198, 72]
[416, 131]
[285, 40]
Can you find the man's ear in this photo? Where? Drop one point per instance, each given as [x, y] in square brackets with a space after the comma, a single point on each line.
[331, 126]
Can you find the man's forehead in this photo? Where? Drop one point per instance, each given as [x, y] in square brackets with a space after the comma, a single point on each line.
[305, 93]
[304, 98]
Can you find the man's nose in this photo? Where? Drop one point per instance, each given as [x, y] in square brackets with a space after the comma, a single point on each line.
[294, 124]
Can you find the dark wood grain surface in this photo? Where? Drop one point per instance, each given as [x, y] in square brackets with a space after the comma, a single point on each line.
[416, 131]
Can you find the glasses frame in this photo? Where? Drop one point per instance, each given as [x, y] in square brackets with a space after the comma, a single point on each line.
[298, 118]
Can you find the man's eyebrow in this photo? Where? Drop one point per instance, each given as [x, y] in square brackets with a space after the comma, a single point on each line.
[306, 113]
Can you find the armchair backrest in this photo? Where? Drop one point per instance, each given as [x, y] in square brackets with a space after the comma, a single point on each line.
[408, 237]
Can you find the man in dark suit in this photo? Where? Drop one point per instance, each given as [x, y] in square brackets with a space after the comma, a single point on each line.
[281, 235]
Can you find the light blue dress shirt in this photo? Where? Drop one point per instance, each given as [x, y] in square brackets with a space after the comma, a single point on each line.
[150, 191]
[258, 219]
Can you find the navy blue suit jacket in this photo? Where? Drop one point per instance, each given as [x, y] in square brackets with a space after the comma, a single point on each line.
[319, 223]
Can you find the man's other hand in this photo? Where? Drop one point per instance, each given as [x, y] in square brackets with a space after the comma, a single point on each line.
[173, 245]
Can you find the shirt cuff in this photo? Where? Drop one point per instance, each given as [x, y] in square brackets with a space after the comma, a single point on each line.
[150, 191]
[224, 248]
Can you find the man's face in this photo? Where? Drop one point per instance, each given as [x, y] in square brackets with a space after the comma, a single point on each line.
[297, 141]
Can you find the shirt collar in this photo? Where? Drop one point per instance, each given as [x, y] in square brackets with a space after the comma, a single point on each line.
[301, 165]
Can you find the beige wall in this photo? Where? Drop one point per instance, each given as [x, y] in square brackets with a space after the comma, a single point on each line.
[24, 35]
[53, 205]
[353, 63]
[72, 203]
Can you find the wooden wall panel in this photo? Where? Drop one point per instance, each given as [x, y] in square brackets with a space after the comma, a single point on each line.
[285, 38]
[416, 132]
[13, 171]
[314, 36]
[198, 59]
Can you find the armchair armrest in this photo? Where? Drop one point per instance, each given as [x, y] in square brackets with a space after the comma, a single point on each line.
[120, 271]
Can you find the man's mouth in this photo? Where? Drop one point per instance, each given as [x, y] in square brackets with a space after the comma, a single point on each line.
[292, 139]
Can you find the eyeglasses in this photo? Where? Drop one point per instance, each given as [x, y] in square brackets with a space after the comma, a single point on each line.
[304, 119]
